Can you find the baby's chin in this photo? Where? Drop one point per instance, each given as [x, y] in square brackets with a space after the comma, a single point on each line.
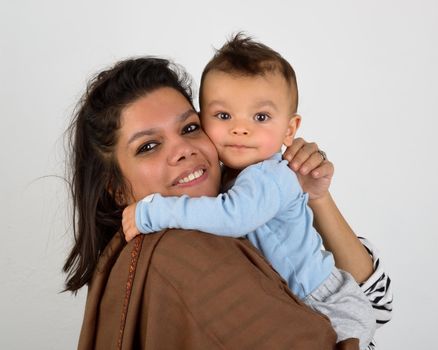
[238, 165]
[240, 160]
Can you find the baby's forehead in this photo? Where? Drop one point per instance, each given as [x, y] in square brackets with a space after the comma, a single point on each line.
[269, 77]
[256, 90]
[273, 79]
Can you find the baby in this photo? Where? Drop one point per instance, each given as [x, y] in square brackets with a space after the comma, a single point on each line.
[248, 103]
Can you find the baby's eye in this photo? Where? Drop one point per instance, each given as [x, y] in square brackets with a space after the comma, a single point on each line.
[190, 128]
[261, 117]
[147, 147]
[223, 116]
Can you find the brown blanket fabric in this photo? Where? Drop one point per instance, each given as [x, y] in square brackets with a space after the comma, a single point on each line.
[188, 290]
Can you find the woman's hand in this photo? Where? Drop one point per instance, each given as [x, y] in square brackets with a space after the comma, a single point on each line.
[314, 172]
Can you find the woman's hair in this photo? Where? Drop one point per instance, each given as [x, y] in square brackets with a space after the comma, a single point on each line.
[96, 182]
[242, 55]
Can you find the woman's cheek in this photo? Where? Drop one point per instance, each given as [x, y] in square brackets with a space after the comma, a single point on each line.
[147, 181]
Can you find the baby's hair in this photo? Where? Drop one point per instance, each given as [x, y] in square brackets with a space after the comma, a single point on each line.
[242, 55]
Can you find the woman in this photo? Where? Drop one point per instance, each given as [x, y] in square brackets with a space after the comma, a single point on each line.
[135, 133]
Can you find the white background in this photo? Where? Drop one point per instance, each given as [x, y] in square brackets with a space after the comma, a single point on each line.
[367, 73]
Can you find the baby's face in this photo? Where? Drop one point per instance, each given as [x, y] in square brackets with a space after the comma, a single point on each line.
[248, 118]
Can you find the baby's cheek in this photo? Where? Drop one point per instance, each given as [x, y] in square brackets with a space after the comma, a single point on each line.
[271, 146]
[214, 133]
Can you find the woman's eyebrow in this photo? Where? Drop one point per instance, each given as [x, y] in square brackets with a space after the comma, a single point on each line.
[182, 117]
[147, 132]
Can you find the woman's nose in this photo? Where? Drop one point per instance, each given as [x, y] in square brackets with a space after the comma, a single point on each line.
[182, 150]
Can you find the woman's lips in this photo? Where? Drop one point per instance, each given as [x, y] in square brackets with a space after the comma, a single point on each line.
[192, 177]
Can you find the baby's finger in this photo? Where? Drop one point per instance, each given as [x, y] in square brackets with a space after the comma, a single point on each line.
[129, 236]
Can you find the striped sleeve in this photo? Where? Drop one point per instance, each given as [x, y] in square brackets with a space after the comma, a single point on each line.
[378, 289]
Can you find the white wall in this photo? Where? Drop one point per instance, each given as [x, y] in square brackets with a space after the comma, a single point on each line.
[367, 74]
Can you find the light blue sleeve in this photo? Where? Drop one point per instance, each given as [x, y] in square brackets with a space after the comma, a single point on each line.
[255, 198]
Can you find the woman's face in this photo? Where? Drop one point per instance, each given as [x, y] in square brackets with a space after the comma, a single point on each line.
[161, 148]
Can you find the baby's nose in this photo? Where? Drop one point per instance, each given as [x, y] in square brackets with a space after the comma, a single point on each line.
[240, 129]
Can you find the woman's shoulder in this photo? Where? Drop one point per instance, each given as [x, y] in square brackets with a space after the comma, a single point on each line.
[187, 287]
[230, 289]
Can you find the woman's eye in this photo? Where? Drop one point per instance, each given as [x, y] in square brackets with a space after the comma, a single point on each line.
[191, 128]
[261, 117]
[147, 147]
[223, 116]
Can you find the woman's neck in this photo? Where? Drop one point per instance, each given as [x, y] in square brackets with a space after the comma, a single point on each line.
[228, 177]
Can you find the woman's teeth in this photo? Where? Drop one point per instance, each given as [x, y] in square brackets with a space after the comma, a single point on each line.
[191, 177]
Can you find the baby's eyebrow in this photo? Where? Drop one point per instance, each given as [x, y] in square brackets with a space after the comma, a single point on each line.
[265, 103]
[257, 104]
[216, 102]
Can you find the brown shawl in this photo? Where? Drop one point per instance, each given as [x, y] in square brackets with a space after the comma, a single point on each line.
[181, 289]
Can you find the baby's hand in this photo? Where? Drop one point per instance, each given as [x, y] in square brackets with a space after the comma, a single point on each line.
[128, 222]
[313, 171]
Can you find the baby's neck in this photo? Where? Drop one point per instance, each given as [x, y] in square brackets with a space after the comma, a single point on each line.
[230, 174]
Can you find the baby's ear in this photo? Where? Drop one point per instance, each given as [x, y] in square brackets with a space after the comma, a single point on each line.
[294, 124]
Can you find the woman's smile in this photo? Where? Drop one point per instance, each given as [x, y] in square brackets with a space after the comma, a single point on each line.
[191, 178]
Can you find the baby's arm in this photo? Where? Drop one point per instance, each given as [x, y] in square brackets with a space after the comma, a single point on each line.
[255, 198]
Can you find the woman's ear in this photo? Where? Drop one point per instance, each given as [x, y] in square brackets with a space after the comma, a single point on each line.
[294, 124]
[119, 197]
[118, 194]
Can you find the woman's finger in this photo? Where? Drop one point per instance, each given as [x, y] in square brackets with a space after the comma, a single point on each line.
[325, 169]
[292, 150]
[311, 163]
[304, 153]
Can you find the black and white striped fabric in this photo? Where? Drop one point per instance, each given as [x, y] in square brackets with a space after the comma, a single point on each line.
[378, 290]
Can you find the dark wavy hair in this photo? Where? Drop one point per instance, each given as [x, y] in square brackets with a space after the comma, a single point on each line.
[95, 178]
[242, 55]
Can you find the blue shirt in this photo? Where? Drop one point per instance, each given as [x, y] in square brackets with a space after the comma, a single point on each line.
[266, 203]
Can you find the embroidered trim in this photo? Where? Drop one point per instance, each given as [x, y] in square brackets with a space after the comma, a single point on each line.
[132, 268]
